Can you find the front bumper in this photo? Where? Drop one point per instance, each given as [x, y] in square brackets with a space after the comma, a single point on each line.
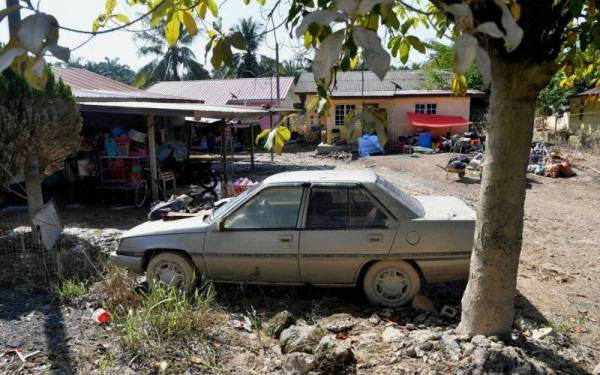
[130, 262]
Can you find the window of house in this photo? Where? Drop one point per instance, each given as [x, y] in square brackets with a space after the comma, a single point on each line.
[341, 110]
[273, 208]
[428, 108]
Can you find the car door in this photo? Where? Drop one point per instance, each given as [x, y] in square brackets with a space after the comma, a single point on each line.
[344, 227]
[258, 242]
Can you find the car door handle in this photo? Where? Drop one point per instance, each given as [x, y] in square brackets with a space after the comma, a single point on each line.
[376, 237]
[286, 238]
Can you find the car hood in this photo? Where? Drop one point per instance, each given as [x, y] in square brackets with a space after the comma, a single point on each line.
[161, 227]
[445, 208]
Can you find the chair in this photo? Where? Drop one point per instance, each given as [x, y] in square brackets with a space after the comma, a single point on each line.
[164, 178]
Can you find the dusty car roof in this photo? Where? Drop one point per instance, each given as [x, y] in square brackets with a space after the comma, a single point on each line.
[323, 176]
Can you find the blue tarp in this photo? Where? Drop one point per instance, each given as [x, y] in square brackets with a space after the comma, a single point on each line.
[369, 144]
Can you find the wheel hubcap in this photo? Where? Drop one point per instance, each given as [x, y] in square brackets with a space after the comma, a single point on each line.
[391, 285]
[170, 274]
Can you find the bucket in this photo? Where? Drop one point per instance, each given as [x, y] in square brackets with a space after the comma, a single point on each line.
[111, 147]
[85, 167]
[425, 139]
[137, 136]
[123, 148]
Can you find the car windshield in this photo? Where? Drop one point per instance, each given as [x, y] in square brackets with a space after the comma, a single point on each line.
[232, 202]
[409, 202]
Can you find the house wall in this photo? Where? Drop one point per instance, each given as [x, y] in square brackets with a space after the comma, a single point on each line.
[396, 109]
[585, 115]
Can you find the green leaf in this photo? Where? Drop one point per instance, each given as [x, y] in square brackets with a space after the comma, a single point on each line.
[172, 30]
[576, 7]
[404, 49]
[201, 10]
[121, 18]
[189, 22]
[246, 2]
[213, 7]
[110, 6]
[407, 24]
[217, 54]
[237, 40]
[416, 43]
[6, 11]
[261, 2]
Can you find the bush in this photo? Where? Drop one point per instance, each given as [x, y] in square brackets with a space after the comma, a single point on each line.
[118, 291]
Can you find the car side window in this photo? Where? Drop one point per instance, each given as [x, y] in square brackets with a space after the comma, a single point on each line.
[328, 208]
[272, 208]
[365, 212]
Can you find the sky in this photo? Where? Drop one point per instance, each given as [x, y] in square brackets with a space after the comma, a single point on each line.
[80, 14]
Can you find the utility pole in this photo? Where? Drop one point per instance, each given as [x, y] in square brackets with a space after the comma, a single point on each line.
[277, 71]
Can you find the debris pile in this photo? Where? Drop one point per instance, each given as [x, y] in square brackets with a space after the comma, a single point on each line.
[549, 162]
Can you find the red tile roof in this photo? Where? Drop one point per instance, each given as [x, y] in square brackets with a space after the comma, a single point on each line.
[81, 79]
[223, 91]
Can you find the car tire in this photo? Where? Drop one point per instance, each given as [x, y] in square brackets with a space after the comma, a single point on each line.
[172, 270]
[391, 283]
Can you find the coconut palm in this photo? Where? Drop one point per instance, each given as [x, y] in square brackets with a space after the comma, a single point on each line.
[248, 65]
[171, 63]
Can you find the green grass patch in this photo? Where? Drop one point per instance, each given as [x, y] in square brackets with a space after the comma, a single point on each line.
[70, 290]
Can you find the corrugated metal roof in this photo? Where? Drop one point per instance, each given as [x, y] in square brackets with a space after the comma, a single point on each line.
[221, 91]
[82, 79]
[592, 91]
[179, 109]
[395, 83]
[100, 95]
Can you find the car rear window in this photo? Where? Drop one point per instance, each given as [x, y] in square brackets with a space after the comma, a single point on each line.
[407, 201]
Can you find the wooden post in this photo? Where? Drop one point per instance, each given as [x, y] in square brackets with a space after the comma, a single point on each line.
[152, 157]
[252, 146]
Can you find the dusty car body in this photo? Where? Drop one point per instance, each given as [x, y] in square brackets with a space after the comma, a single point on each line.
[326, 228]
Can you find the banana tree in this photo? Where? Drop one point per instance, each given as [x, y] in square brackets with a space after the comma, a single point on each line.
[276, 138]
[367, 119]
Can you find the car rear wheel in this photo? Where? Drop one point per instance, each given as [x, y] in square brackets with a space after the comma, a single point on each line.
[391, 283]
[171, 270]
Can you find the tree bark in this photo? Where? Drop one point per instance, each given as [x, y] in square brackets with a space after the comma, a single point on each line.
[35, 199]
[488, 302]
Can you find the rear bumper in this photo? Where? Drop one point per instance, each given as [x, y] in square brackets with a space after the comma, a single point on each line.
[129, 262]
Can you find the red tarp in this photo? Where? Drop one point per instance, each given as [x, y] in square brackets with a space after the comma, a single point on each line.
[435, 121]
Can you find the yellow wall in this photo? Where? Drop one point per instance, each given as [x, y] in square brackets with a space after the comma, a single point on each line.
[396, 109]
[585, 115]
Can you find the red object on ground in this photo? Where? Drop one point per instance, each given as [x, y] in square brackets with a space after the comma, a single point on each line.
[101, 316]
[435, 121]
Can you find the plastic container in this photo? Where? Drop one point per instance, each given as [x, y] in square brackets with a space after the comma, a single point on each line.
[425, 139]
[101, 316]
[123, 149]
[110, 145]
[117, 131]
[85, 167]
[137, 136]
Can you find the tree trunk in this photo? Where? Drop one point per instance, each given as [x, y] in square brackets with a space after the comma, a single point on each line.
[488, 302]
[35, 199]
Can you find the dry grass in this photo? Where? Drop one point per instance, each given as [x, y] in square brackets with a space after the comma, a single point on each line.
[118, 290]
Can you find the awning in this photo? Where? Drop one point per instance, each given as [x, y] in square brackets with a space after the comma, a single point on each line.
[196, 110]
[435, 121]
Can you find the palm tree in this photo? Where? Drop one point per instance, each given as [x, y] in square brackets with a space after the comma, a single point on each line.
[171, 63]
[248, 64]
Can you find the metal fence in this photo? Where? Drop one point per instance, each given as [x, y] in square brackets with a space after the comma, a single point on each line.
[27, 265]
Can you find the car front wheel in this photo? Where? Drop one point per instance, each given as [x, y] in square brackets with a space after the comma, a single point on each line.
[171, 270]
[391, 283]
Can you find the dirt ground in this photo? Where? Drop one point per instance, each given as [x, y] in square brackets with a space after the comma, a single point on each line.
[558, 283]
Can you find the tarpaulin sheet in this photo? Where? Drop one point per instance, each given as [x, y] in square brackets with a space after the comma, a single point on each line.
[435, 121]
